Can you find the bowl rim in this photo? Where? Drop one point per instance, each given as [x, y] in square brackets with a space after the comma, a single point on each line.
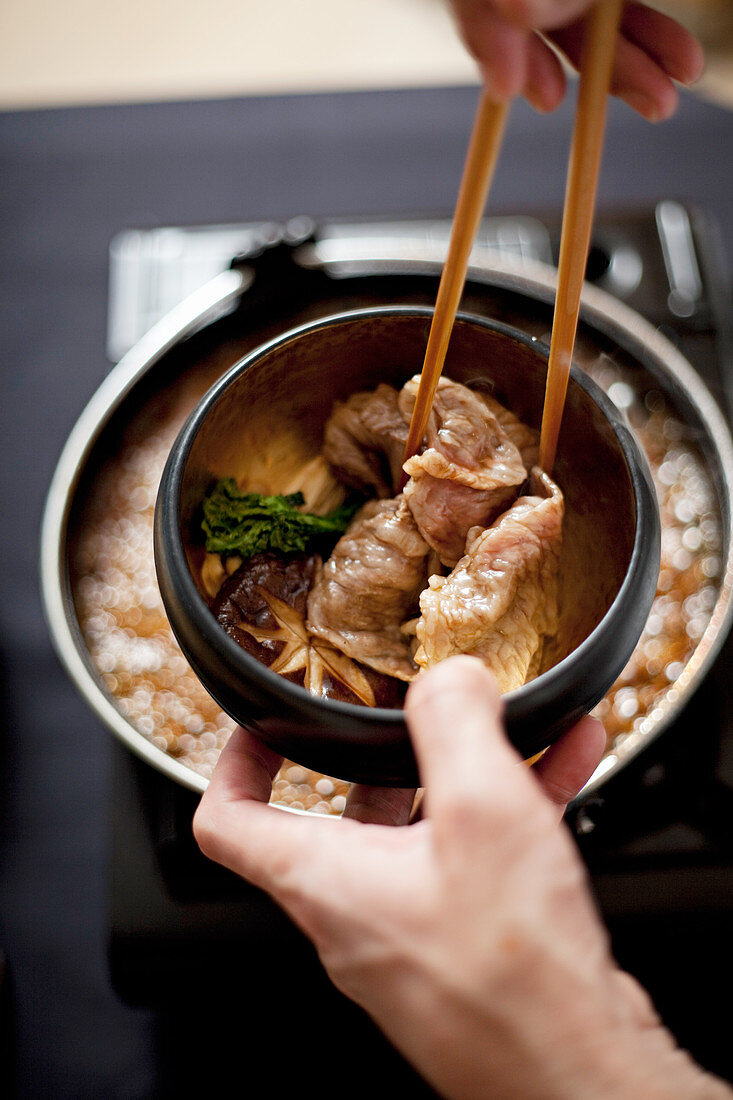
[518, 702]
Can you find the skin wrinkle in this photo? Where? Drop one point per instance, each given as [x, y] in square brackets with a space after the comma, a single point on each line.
[380, 805]
[259, 779]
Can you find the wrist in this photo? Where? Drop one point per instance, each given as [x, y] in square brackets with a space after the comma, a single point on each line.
[623, 1051]
[652, 1066]
[602, 1041]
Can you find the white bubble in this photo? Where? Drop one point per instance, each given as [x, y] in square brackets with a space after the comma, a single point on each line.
[622, 395]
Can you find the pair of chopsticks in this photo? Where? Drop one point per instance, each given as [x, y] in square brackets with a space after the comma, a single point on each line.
[577, 222]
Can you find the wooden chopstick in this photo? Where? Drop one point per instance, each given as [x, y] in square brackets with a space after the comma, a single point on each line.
[483, 151]
[577, 222]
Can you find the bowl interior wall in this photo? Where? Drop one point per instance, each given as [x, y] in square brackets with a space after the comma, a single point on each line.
[275, 411]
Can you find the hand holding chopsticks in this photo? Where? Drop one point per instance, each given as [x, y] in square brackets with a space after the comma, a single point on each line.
[518, 46]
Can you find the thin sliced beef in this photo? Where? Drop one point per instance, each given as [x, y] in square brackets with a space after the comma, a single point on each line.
[500, 601]
[524, 438]
[468, 472]
[370, 585]
[364, 441]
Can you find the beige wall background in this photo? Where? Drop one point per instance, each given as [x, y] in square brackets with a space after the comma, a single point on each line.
[85, 51]
[81, 51]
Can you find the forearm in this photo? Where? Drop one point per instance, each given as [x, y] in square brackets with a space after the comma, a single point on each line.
[497, 1059]
[647, 1064]
[634, 1062]
[533, 1031]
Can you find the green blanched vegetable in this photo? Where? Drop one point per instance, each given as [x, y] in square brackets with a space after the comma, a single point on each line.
[247, 523]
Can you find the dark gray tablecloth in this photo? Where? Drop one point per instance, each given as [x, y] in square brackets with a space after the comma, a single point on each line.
[69, 180]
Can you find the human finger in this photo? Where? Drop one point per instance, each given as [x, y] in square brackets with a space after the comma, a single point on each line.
[672, 46]
[467, 766]
[567, 765]
[234, 825]
[636, 77]
[379, 805]
[245, 769]
[545, 84]
[498, 46]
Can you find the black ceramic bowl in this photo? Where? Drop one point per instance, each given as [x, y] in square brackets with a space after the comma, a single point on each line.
[277, 400]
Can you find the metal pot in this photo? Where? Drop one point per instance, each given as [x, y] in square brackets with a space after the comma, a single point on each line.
[264, 294]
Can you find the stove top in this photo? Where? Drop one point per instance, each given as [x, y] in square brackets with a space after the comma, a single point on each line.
[657, 840]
